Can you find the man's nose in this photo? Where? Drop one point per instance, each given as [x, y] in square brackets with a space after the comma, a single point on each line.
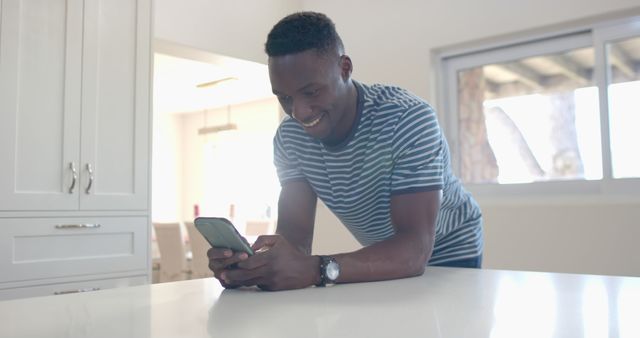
[301, 111]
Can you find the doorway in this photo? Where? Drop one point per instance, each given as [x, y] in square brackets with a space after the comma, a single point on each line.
[213, 123]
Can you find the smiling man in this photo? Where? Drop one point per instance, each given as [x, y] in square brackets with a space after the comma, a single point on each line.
[374, 154]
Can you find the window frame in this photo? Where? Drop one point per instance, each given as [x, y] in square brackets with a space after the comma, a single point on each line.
[449, 61]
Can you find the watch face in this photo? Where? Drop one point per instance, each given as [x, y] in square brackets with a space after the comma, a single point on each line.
[333, 270]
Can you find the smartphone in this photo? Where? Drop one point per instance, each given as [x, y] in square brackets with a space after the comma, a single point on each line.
[221, 233]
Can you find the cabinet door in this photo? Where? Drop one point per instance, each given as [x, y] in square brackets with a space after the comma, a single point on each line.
[115, 105]
[40, 74]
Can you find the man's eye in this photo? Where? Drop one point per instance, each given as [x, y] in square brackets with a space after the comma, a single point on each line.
[312, 92]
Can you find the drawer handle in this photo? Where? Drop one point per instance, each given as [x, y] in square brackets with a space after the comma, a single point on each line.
[66, 292]
[77, 226]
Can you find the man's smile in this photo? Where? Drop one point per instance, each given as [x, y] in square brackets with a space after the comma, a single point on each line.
[313, 122]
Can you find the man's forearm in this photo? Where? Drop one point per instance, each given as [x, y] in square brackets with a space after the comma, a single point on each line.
[298, 240]
[296, 214]
[403, 255]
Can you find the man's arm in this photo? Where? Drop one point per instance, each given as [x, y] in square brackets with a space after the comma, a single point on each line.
[285, 266]
[296, 214]
[406, 253]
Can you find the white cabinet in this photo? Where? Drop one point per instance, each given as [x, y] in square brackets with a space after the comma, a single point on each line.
[74, 104]
[74, 145]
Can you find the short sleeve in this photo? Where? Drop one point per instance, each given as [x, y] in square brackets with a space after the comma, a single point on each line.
[418, 148]
[286, 166]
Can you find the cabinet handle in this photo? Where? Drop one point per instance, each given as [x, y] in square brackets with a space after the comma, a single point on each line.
[66, 292]
[72, 166]
[77, 226]
[90, 170]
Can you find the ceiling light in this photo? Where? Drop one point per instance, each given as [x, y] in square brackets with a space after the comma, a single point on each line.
[216, 82]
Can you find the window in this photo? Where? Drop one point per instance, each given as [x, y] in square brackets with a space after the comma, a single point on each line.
[552, 111]
[623, 63]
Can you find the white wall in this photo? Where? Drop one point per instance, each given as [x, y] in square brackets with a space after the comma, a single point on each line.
[167, 172]
[391, 42]
[231, 28]
[596, 237]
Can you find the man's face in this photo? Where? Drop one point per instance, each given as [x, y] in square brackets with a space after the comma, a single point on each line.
[312, 88]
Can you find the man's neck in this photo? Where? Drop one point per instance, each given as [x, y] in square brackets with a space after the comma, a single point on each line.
[350, 111]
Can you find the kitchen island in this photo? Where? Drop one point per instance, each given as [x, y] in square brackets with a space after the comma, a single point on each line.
[444, 302]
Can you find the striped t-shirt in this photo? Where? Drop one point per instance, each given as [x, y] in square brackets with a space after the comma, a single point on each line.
[395, 147]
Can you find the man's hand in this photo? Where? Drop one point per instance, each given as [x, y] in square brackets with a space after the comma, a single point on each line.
[221, 260]
[277, 265]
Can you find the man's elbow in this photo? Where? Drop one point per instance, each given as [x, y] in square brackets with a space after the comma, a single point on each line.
[417, 271]
[419, 263]
[419, 252]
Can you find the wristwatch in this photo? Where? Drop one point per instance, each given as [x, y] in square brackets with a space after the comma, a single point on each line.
[329, 270]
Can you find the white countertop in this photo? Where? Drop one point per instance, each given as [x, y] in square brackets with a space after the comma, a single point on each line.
[444, 302]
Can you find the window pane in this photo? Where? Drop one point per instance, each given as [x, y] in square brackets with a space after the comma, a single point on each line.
[529, 120]
[623, 61]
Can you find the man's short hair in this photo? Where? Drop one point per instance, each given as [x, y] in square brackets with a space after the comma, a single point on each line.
[303, 31]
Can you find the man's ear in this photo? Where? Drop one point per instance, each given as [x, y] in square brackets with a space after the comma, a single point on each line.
[346, 67]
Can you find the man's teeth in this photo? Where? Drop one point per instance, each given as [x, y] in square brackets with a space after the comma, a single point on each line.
[314, 122]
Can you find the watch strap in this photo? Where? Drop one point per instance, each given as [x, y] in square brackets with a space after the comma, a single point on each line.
[324, 261]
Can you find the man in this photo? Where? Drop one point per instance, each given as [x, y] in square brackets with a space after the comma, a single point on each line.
[375, 155]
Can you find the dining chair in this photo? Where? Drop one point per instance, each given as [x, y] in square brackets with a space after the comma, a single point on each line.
[173, 262]
[199, 247]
